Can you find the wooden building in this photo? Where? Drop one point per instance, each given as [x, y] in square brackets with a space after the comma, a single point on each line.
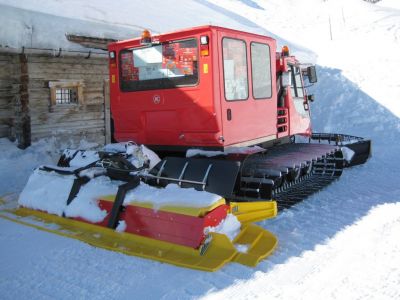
[44, 93]
[53, 81]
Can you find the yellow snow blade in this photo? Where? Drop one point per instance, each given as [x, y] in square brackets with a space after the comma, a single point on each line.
[249, 212]
[220, 250]
[259, 243]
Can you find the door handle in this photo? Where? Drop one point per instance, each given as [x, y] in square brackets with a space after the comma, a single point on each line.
[229, 114]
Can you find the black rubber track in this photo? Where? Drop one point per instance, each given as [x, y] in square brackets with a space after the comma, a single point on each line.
[289, 173]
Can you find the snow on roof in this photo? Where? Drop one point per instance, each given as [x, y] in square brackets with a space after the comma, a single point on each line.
[45, 23]
[23, 28]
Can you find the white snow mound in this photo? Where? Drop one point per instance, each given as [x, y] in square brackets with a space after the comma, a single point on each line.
[85, 205]
[172, 195]
[46, 191]
[230, 226]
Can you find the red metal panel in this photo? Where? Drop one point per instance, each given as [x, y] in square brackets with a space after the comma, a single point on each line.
[171, 227]
[165, 226]
[214, 217]
[181, 116]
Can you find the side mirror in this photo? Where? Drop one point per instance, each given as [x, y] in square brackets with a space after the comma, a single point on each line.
[286, 79]
[312, 74]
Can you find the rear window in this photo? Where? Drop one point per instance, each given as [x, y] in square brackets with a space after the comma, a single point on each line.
[163, 66]
[235, 69]
[261, 70]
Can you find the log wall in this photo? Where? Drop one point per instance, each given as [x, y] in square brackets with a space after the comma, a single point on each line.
[9, 93]
[67, 121]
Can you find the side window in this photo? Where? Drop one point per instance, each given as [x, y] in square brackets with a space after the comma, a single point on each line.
[235, 69]
[292, 87]
[261, 70]
[297, 85]
[296, 91]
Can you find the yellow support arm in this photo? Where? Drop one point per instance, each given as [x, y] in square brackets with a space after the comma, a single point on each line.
[249, 212]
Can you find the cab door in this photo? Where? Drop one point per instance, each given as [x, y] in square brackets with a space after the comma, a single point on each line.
[299, 107]
[247, 93]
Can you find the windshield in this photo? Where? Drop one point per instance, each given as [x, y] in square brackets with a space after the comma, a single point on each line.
[162, 66]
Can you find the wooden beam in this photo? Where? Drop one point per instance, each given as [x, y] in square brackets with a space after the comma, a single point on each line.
[90, 42]
[25, 138]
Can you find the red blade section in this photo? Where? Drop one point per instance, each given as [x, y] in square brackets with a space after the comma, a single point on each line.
[166, 226]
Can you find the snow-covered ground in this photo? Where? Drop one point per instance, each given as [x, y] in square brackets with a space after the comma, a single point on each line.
[341, 243]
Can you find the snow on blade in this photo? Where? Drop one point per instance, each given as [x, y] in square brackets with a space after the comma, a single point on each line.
[172, 195]
[85, 205]
[230, 227]
[49, 191]
[46, 191]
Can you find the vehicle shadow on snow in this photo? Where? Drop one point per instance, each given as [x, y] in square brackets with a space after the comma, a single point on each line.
[341, 107]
